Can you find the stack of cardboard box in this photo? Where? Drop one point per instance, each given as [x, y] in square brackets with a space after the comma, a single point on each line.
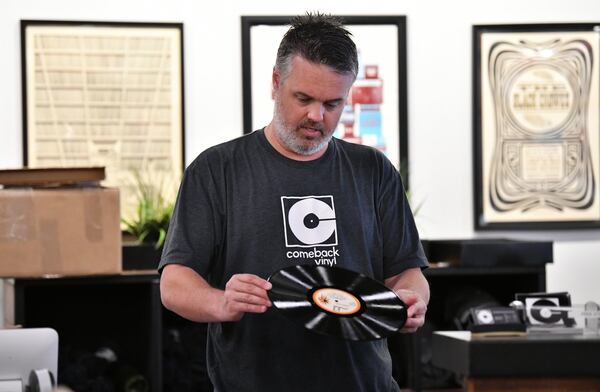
[58, 222]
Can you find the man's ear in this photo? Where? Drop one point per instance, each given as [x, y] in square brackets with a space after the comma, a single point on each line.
[275, 82]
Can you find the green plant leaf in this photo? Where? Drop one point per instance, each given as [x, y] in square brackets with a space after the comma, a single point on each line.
[153, 213]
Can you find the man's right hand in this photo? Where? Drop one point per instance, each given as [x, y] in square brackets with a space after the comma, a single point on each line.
[245, 293]
[185, 292]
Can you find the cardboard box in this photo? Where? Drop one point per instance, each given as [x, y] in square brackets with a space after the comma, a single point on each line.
[59, 231]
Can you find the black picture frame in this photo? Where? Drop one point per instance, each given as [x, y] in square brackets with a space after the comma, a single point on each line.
[103, 93]
[397, 24]
[536, 126]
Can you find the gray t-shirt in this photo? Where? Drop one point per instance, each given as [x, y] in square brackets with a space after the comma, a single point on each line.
[244, 208]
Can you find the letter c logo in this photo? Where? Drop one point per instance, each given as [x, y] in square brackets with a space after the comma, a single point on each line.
[312, 221]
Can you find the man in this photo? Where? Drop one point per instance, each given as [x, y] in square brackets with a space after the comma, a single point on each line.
[233, 226]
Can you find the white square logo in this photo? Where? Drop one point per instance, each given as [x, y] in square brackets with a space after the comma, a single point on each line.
[309, 221]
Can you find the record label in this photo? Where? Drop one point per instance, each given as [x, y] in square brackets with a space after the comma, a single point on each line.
[485, 316]
[336, 301]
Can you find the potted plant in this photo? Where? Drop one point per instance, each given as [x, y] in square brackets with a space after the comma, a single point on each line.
[147, 226]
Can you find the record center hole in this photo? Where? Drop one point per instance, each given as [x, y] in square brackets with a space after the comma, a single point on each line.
[311, 221]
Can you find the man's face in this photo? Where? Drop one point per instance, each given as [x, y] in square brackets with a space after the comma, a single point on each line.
[308, 106]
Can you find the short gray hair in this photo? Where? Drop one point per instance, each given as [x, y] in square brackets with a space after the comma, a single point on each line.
[318, 38]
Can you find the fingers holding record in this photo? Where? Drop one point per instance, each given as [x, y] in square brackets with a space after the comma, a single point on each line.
[336, 301]
[246, 293]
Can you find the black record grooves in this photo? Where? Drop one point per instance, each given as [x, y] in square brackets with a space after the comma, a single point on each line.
[336, 301]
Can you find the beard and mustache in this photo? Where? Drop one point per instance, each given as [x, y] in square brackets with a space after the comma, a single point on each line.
[292, 138]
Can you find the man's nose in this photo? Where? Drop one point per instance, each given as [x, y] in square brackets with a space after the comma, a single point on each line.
[316, 112]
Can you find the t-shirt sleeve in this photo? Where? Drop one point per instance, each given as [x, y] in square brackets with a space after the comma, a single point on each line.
[194, 237]
[402, 247]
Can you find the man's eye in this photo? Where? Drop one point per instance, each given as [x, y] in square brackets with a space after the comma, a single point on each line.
[332, 105]
[304, 99]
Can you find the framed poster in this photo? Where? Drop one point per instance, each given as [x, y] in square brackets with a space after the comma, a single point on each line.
[536, 126]
[376, 112]
[104, 94]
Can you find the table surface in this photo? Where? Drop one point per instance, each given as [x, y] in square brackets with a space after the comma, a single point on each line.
[531, 355]
[467, 336]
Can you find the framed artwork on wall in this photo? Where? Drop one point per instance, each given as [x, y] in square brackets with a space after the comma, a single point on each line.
[536, 124]
[376, 111]
[105, 94]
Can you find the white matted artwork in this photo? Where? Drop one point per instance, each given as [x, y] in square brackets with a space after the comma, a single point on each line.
[105, 94]
[537, 126]
[375, 113]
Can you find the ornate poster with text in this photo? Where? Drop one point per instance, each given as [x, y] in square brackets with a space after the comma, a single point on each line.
[539, 127]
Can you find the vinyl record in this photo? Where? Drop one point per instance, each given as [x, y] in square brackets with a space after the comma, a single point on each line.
[338, 302]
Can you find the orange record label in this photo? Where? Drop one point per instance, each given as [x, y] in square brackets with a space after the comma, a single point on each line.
[336, 301]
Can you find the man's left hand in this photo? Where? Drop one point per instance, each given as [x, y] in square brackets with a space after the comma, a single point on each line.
[416, 309]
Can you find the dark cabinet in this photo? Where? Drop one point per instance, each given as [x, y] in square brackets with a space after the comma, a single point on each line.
[124, 313]
[453, 291]
[118, 314]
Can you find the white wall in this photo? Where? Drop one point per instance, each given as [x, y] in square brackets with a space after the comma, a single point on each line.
[439, 96]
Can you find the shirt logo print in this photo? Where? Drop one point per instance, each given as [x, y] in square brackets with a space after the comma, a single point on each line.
[309, 221]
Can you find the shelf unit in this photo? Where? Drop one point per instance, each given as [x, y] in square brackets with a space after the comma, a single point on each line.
[127, 309]
[450, 288]
[123, 312]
